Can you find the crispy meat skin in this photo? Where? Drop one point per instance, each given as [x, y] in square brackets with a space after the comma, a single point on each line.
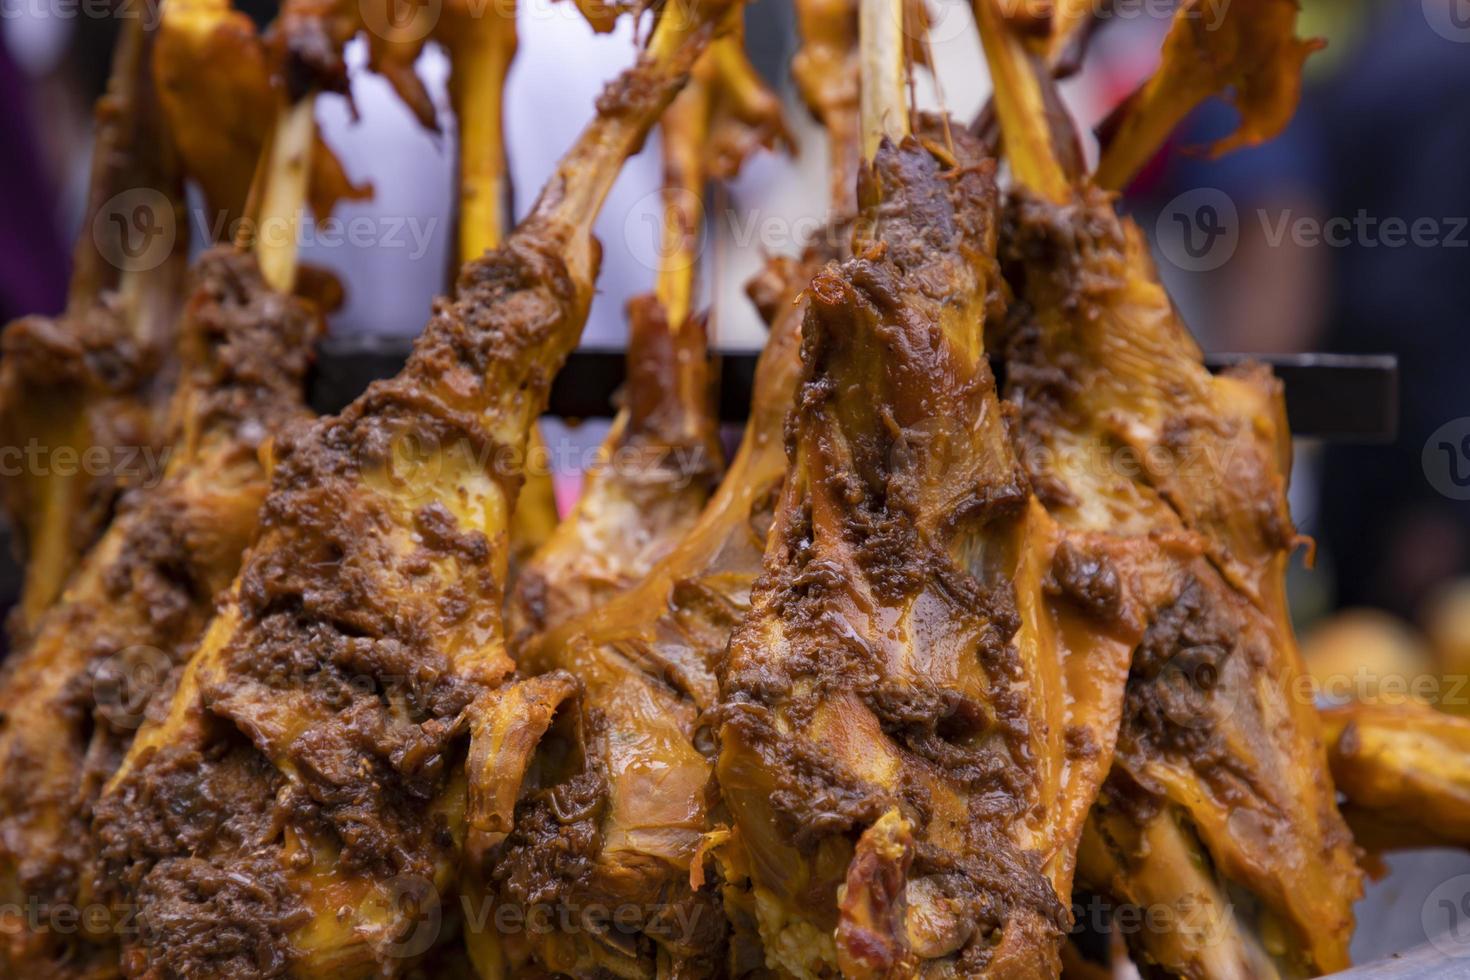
[103, 654]
[311, 766]
[1250, 55]
[1125, 433]
[901, 726]
[308, 43]
[640, 765]
[826, 70]
[663, 457]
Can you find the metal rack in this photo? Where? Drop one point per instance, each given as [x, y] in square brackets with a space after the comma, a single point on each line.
[1329, 397]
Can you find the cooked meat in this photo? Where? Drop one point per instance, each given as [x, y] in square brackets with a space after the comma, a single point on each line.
[1405, 771]
[1247, 51]
[308, 43]
[906, 778]
[662, 457]
[1126, 435]
[826, 71]
[481, 43]
[311, 768]
[207, 56]
[640, 763]
[108, 649]
[828, 74]
[652, 477]
[90, 385]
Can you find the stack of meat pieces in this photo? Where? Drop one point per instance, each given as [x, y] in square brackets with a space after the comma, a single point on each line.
[933, 652]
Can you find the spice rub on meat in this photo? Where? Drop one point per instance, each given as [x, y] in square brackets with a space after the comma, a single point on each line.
[909, 736]
[359, 660]
[1133, 439]
[1220, 786]
[662, 458]
[103, 658]
[640, 762]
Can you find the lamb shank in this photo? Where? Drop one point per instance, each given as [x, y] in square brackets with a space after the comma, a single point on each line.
[310, 770]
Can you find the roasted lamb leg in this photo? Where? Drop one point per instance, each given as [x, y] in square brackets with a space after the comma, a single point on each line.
[638, 759]
[309, 777]
[1126, 435]
[208, 56]
[92, 384]
[110, 647]
[636, 772]
[892, 674]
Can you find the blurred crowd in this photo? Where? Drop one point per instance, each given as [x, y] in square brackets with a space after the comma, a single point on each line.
[1346, 234]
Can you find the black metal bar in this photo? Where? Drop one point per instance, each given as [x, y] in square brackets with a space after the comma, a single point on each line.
[1335, 397]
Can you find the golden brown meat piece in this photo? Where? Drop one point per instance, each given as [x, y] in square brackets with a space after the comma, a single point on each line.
[1248, 49]
[481, 43]
[827, 73]
[651, 479]
[643, 765]
[825, 68]
[639, 768]
[71, 701]
[914, 719]
[207, 56]
[309, 778]
[308, 41]
[81, 398]
[663, 457]
[1124, 433]
[1405, 770]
